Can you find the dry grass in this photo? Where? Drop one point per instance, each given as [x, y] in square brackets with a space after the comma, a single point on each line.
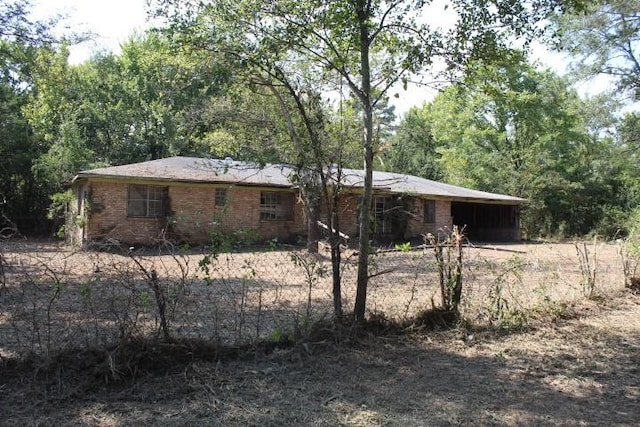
[580, 370]
[583, 371]
[56, 299]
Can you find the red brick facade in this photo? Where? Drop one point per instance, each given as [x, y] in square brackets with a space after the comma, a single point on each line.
[417, 225]
[193, 214]
[415, 216]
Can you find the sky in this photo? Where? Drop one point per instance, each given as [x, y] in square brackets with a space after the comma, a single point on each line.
[113, 21]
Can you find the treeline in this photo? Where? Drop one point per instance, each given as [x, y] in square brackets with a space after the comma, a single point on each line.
[516, 129]
[503, 124]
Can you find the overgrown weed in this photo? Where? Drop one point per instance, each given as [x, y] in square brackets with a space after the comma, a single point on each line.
[238, 314]
[588, 261]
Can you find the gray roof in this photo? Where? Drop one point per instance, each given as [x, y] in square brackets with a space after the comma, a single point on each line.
[193, 169]
[409, 184]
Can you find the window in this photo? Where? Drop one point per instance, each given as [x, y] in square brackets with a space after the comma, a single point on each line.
[276, 206]
[147, 201]
[382, 213]
[429, 211]
[221, 197]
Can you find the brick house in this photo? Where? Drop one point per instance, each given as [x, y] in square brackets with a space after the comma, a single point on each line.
[189, 199]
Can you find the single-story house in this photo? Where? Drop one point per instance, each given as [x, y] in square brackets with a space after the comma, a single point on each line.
[187, 199]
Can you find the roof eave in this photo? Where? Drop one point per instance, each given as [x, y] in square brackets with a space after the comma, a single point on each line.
[491, 201]
[178, 180]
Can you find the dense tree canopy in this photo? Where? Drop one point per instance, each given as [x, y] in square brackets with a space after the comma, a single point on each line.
[412, 149]
[512, 129]
[143, 104]
[22, 197]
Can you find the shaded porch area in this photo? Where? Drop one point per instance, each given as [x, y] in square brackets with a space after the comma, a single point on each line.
[487, 222]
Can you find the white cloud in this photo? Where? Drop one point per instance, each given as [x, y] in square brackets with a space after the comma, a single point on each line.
[112, 22]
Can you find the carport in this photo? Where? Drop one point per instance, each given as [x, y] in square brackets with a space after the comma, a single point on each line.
[486, 221]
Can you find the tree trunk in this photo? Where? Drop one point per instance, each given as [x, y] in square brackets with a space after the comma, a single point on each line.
[365, 98]
[336, 258]
[313, 230]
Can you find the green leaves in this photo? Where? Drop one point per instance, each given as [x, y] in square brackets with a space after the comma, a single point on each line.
[510, 128]
[605, 39]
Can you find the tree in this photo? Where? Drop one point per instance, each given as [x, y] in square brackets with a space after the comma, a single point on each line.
[340, 37]
[117, 109]
[17, 25]
[21, 197]
[605, 39]
[513, 129]
[261, 60]
[629, 136]
[516, 120]
[412, 150]
[17, 146]
[344, 37]
[628, 155]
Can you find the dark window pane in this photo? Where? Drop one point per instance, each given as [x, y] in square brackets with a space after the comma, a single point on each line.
[147, 201]
[429, 210]
[276, 206]
[221, 197]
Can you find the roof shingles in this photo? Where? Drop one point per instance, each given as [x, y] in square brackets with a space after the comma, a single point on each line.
[200, 170]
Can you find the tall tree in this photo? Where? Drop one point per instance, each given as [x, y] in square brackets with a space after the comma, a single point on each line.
[512, 129]
[17, 145]
[116, 109]
[344, 37]
[412, 149]
[341, 37]
[21, 37]
[605, 39]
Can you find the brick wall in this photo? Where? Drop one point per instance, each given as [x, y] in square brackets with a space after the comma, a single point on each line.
[108, 216]
[193, 215]
[417, 227]
[348, 213]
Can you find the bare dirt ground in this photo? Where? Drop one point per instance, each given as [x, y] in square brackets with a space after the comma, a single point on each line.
[581, 367]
